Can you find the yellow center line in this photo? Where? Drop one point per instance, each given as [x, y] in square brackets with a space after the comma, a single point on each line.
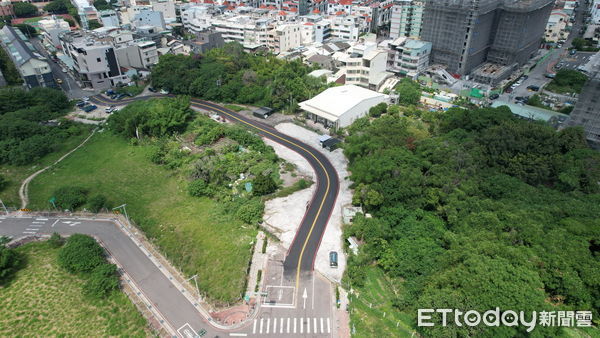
[282, 139]
[299, 146]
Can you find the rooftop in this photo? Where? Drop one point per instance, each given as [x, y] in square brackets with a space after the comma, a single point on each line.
[336, 101]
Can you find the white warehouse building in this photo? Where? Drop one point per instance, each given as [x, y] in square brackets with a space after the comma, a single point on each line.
[338, 107]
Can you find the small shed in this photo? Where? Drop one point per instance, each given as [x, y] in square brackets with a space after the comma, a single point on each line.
[331, 144]
[263, 112]
[323, 138]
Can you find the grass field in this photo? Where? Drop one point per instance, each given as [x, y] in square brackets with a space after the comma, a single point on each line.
[372, 314]
[43, 300]
[191, 231]
[16, 174]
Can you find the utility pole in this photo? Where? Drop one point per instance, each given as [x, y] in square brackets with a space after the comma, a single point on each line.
[122, 206]
[3, 207]
[195, 278]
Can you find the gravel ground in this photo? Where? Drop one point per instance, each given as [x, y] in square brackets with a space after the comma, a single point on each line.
[283, 215]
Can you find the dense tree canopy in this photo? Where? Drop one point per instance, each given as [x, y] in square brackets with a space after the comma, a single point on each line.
[152, 118]
[24, 9]
[488, 211]
[228, 74]
[24, 136]
[409, 91]
[57, 7]
[8, 69]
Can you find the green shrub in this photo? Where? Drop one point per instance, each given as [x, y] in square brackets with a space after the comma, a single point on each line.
[197, 188]
[56, 241]
[70, 197]
[97, 203]
[101, 281]
[81, 253]
[3, 182]
[251, 211]
[263, 185]
[9, 262]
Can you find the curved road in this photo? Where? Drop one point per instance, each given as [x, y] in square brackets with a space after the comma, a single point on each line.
[302, 253]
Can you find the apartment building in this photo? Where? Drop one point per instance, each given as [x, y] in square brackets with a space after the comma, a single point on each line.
[287, 37]
[406, 19]
[466, 33]
[109, 18]
[51, 28]
[33, 67]
[95, 62]
[148, 17]
[86, 11]
[346, 27]
[139, 55]
[408, 57]
[363, 64]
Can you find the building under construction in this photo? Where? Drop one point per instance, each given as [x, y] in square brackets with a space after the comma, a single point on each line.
[467, 33]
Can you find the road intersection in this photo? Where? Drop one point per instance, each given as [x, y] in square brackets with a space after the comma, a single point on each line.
[294, 301]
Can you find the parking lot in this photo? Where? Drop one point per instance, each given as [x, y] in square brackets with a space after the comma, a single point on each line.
[572, 62]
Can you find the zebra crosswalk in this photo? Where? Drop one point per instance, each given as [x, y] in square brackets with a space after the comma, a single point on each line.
[289, 326]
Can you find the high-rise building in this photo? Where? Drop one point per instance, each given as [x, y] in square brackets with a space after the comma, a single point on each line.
[466, 33]
[406, 19]
[587, 110]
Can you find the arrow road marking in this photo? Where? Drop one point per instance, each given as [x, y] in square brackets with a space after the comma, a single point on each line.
[304, 296]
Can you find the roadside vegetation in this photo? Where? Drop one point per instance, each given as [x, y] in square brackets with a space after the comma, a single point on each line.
[567, 81]
[45, 299]
[229, 74]
[33, 134]
[195, 186]
[8, 69]
[472, 209]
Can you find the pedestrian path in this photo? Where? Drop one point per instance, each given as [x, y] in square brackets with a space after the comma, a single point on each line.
[290, 326]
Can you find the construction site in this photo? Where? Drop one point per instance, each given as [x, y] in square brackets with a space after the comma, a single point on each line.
[468, 33]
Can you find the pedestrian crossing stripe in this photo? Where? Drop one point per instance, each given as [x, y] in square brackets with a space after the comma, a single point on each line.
[286, 325]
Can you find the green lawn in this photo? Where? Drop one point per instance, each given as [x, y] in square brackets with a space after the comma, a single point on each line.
[16, 174]
[372, 314]
[191, 231]
[43, 300]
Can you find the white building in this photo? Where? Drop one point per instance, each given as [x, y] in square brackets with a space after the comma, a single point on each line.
[338, 107]
[406, 19]
[408, 57]
[364, 65]
[51, 27]
[147, 17]
[109, 18]
[287, 37]
[556, 28]
[595, 12]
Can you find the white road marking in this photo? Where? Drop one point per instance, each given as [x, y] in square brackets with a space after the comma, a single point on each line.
[281, 326]
[34, 222]
[41, 219]
[187, 332]
[315, 329]
[328, 325]
[308, 325]
[322, 331]
[268, 325]
[261, 325]
[53, 224]
[238, 334]
[28, 232]
[294, 325]
[274, 325]
[30, 229]
[288, 325]
[254, 327]
[301, 324]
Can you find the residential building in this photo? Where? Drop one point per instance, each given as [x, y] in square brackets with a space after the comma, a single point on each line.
[338, 107]
[406, 19]
[33, 67]
[166, 7]
[51, 28]
[363, 64]
[346, 27]
[408, 57]
[6, 9]
[556, 28]
[86, 12]
[95, 62]
[587, 112]
[147, 17]
[109, 18]
[466, 33]
[205, 41]
[287, 37]
[141, 54]
[595, 12]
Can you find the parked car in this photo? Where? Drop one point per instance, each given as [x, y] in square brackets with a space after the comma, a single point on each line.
[110, 92]
[152, 89]
[164, 92]
[110, 109]
[120, 96]
[333, 259]
[573, 52]
[89, 108]
[85, 99]
[533, 88]
[494, 96]
[59, 81]
[80, 104]
[63, 70]
[550, 75]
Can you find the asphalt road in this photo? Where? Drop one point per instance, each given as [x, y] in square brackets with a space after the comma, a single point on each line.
[177, 310]
[302, 253]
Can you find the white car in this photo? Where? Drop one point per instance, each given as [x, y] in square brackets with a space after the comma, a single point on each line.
[164, 92]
